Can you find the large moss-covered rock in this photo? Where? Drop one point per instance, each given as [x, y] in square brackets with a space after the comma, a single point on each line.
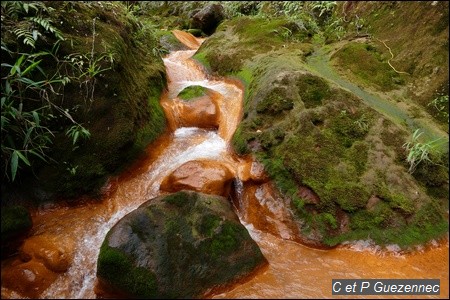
[177, 246]
[16, 222]
[116, 79]
[315, 136]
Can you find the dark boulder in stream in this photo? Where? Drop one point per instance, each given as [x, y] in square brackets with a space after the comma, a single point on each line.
[208, 18]
[182, 245]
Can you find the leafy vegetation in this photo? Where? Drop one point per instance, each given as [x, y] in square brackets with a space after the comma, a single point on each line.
[440, 107]
[28, 90]
[418, 152]
[59, 72]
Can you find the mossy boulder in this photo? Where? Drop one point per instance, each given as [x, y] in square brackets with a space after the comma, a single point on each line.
[16, 222]
[311, 134]
[170, 43]
[119, 105]
[192, 92]
[180, 245]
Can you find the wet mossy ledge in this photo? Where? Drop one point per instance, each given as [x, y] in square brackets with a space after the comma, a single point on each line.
[312, 135]
[119, 106]
[192, 92]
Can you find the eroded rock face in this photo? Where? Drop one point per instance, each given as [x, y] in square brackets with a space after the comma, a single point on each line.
[177, 246]
[252, 171]
[263, 207]
[208, 18]
[210, 177]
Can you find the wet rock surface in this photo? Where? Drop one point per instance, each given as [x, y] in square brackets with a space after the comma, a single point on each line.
[210, 177]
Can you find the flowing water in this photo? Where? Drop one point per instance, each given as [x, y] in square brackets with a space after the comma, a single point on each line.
[294, 271]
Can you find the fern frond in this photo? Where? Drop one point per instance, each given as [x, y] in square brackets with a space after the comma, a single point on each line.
[26, 35]
[41, 21]
[47, 25]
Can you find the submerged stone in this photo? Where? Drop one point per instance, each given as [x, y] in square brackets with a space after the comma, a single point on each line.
[56, 253]
[181, 245]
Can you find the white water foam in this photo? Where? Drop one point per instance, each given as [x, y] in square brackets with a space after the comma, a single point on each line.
[209, 146]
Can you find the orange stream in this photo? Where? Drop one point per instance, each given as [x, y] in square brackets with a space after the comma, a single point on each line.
[294, 271]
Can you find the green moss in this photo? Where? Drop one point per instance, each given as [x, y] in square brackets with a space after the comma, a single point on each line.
[275, 102]
[239, 142]
[366, 226]
[396, 200]
[155, 126]
[434, 175]
[226, 241]
[312, 90]
[178, 199]
[401, 202]
[365, 220]
[327, 219]
[271, 138]
[350, 196]
[306, 132]
[200, 56]
[193, 91]
[347, 128]
[113, 263]
[358, 155]
[368, 64]
[280, 173]
[208, 225]
[15, 220]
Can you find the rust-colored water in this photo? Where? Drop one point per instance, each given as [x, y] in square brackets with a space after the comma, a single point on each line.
[294, 271]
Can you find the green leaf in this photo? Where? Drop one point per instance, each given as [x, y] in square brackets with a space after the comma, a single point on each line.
[31, 67]
[16, 67]
[36, 117]
[26, 140]
[4, 121]
[23, 158]
[14, 164]
[75, 137]
[38, 155]
[8, 89]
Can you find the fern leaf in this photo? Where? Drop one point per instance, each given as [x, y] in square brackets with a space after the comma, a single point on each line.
[26, 35]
